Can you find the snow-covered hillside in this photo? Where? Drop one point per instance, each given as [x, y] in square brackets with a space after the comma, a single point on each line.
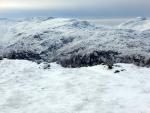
[140, 24]
[25, 87]
[75, 43]
[41, 85]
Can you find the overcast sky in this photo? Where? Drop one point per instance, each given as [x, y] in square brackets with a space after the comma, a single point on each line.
[75, 8]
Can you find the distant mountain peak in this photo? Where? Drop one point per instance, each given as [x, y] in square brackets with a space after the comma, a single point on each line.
[141, 18]
[139, 23]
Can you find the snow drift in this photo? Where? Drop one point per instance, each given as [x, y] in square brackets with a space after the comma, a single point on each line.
[75, 43]
[26, 87]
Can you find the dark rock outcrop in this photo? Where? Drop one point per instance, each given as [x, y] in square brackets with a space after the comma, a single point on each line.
[1, 58]
[117, 71]
[26, 55]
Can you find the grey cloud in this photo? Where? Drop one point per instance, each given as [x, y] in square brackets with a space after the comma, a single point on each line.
[77, 7]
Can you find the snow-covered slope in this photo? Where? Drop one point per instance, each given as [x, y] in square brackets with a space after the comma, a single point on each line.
[140, 24]
[28, 87]
[25, 87]
[75, 43]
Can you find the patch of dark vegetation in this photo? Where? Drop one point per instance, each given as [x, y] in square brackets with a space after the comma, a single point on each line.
[50, 51]
[46, 32]
[138, 60]
[94, 58]
[46, 66]
[108, 58]
[67, 40]
[110, 66]
[19, 34]
[117, 65]
[1, 58]
[37, 36]
[123, 70]
[25, 55]
[117, 71]
[75, 59]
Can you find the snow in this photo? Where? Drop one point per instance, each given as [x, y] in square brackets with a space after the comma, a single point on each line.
[25, 87]
[139, 24]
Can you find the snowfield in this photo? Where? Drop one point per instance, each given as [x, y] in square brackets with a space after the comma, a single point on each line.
[25, 87]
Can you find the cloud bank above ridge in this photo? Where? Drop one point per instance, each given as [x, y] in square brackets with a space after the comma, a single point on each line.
[78, 7]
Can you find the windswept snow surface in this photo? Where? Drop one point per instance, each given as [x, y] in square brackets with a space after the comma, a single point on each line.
[25, 87]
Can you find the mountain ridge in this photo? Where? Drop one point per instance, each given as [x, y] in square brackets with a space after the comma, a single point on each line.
[75, 43]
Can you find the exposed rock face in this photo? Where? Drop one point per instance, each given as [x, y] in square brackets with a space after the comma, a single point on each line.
[74, 43]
